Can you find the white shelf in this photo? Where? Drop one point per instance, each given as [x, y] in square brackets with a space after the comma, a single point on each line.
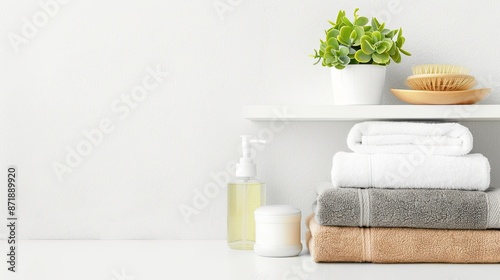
[372, 112]
[207, 259]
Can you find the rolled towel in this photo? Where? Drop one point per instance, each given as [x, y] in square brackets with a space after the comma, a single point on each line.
[450, 139]
[401, 245]
[351, 170]
[438, 209]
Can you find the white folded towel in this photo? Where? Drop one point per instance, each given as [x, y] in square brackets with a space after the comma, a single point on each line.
[450, 139]
[410, 171]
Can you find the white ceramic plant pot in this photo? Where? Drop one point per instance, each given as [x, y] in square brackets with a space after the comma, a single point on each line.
[358, 84]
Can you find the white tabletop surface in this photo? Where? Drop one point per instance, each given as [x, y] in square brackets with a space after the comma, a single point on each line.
[163, 259]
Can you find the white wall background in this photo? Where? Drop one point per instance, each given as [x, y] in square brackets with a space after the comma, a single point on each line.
[64, 79]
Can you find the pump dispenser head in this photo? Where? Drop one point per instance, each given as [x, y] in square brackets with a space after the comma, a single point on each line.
[246, 167]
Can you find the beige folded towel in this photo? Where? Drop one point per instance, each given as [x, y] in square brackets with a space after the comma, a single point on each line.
[401, 245]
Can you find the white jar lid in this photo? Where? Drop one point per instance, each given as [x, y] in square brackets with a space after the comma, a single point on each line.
[277, 214]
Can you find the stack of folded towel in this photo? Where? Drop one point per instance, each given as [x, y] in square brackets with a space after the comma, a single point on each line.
[410, 192]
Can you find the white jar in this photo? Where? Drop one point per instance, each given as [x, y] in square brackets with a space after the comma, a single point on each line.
[277, 231]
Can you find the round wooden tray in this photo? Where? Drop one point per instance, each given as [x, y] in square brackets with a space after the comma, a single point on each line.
[469, 96]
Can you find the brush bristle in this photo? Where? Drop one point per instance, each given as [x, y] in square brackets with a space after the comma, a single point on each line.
[439, 69]
[441, 82]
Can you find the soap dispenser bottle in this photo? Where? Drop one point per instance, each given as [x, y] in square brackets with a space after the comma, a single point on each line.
[244, 195]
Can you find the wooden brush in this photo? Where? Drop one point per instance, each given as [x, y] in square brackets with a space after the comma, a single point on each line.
[439, 69]
[441, 82]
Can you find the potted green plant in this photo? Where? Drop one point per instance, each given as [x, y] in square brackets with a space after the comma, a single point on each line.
[358, 54]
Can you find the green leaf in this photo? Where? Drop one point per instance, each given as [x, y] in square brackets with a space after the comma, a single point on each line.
[329, 58]
[376, 36]
[375, 24]
[391, 34]
[332, 33]
[343, 51]
[339, 66]
[387, 43]
[381, 27]
[359, 33]
[380, 58]
[381, 49]
[405, 52]
[347, 22]
[345, 33]
[361, 21]
[344, 60]
[366, 45]
[328, 50]
[322, 46]
[317, 61]
[353, 35]
[341, 41]
[340, 15]
[400, 42]
[396, 57]
[362, 57]
[367, 28]
[333, 43]
[393, 49]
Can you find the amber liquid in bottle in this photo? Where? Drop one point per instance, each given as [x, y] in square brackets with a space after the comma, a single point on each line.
[243, 197]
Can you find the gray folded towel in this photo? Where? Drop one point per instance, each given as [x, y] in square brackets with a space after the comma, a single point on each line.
[439, 209]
